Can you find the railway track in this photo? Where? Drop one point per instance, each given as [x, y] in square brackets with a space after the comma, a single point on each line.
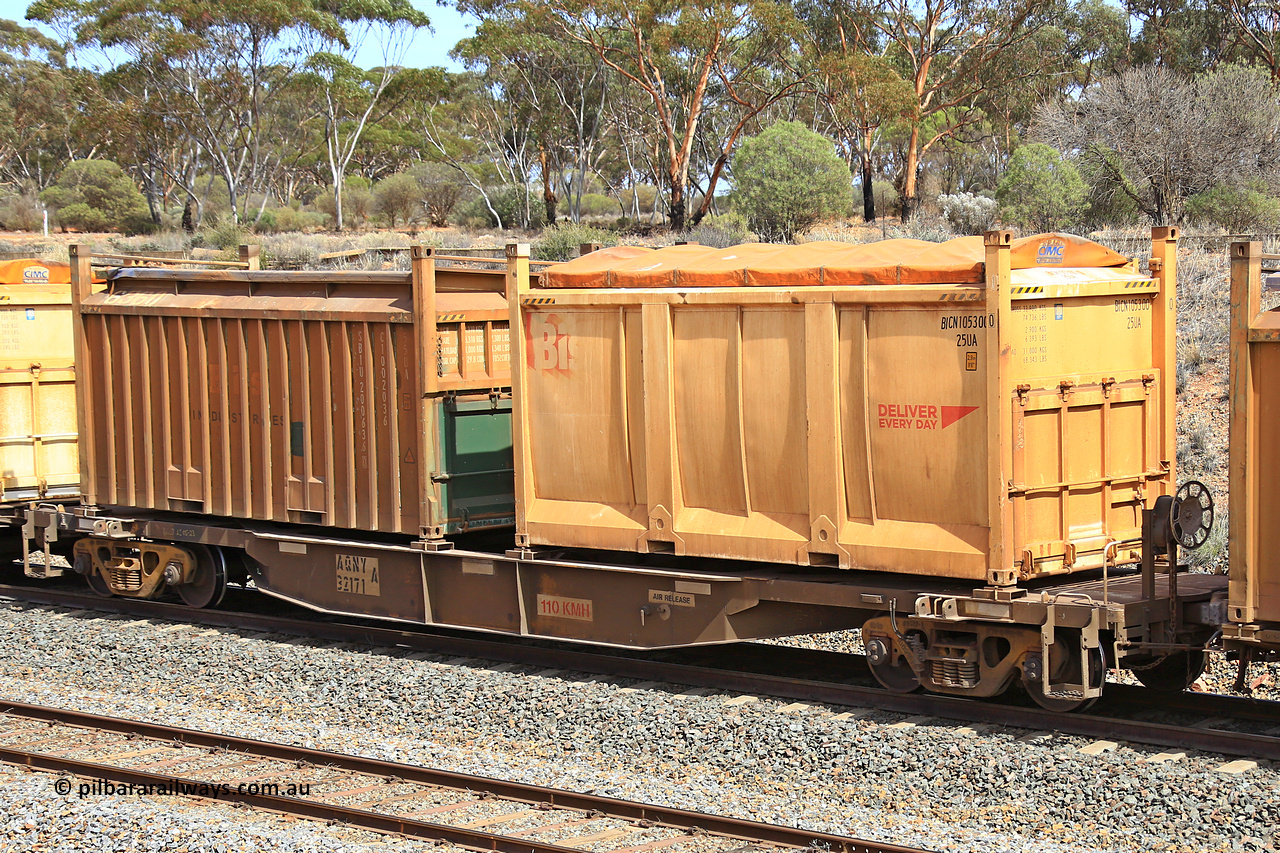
[1207, 722]
[475, 812]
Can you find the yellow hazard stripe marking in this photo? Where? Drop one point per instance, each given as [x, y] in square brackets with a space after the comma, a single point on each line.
[1028, 289]
[540, 300]
[450, 318]
[959, 297]
[1150, 282]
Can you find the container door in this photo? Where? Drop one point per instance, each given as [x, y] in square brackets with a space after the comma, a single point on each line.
[1087, 417]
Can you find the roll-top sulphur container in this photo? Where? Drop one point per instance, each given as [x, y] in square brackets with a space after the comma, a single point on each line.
[986, 408]
[37, 382]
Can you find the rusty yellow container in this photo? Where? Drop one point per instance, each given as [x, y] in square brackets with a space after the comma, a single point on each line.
[1254, 478]
[984, 408]
[374, 401]
[38, 457]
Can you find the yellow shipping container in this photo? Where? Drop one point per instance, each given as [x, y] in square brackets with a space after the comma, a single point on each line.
[38, 456]
[1254, 520]
[985, 408]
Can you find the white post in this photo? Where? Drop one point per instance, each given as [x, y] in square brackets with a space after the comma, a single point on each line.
[46, 221]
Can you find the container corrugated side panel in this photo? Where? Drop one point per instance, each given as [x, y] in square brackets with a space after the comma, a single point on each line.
[282, 420]
[298, 402]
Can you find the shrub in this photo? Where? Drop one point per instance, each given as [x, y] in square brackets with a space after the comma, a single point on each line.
[727, 229]
[787, 178]
[397, 199]
[225, 235]
[595, 204]
[357, 200]
[1041, 191]
[22, 212]
[1237, 209]
[560, 242]
[96, 195]
[969, 213]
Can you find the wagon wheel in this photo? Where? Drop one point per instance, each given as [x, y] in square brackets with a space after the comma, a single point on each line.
[893, 675]
[98, 584]
[1175, 672]
[1064, 659]
[209, 584]
[898, 678]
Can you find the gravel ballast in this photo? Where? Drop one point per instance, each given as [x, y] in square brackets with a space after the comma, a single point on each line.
[863, 773]
[34, 816]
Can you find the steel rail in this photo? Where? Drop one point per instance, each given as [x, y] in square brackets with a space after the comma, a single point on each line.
[1213, 740]
[604, 807]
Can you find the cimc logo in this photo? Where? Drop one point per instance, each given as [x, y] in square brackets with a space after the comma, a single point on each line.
[1051, 251]
[546, 346]
[35, 275]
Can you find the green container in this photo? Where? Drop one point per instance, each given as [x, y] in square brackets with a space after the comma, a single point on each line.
[477, 485]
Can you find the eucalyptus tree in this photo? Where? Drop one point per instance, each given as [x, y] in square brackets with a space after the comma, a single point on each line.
[564, 88]
[487, 139]
[680, 57]
[954, 54]
[350, 97]
[211, 66]
[48, 110]
[857, 91]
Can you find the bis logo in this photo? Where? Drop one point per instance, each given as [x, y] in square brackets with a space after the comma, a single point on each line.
[547, 347]
[1051, 251]
[35, 275]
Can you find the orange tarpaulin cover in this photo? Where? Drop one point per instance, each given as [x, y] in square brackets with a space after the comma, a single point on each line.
[902, 261]
[34, 271]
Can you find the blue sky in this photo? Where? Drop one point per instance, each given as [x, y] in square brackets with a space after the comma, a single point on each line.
[429, 48]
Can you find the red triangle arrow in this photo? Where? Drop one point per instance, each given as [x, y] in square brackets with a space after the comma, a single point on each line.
[951, 414]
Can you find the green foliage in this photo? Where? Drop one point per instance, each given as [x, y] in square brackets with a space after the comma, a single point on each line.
[357, 202]
[225, 235]
[727, 229]
[397, 198]
[787, 178]
[1041, 191]
[96, 195]
[439, 190]
[595, 204]
[21, 212]
[1246, 209]
[510, 202]
[560, 242]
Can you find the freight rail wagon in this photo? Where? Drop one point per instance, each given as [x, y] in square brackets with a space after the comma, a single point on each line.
[987, 409]
[283, 428]
[369, 401]
[37, 383]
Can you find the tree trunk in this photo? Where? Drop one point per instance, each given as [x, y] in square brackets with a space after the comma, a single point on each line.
[868, 192]
[189, 216]
[709, 198]
[677, 212]
[337, 206]
[909, 175]
[549, 198]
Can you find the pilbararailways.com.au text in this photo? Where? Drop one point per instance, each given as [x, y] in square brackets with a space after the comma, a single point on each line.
[178, 788]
